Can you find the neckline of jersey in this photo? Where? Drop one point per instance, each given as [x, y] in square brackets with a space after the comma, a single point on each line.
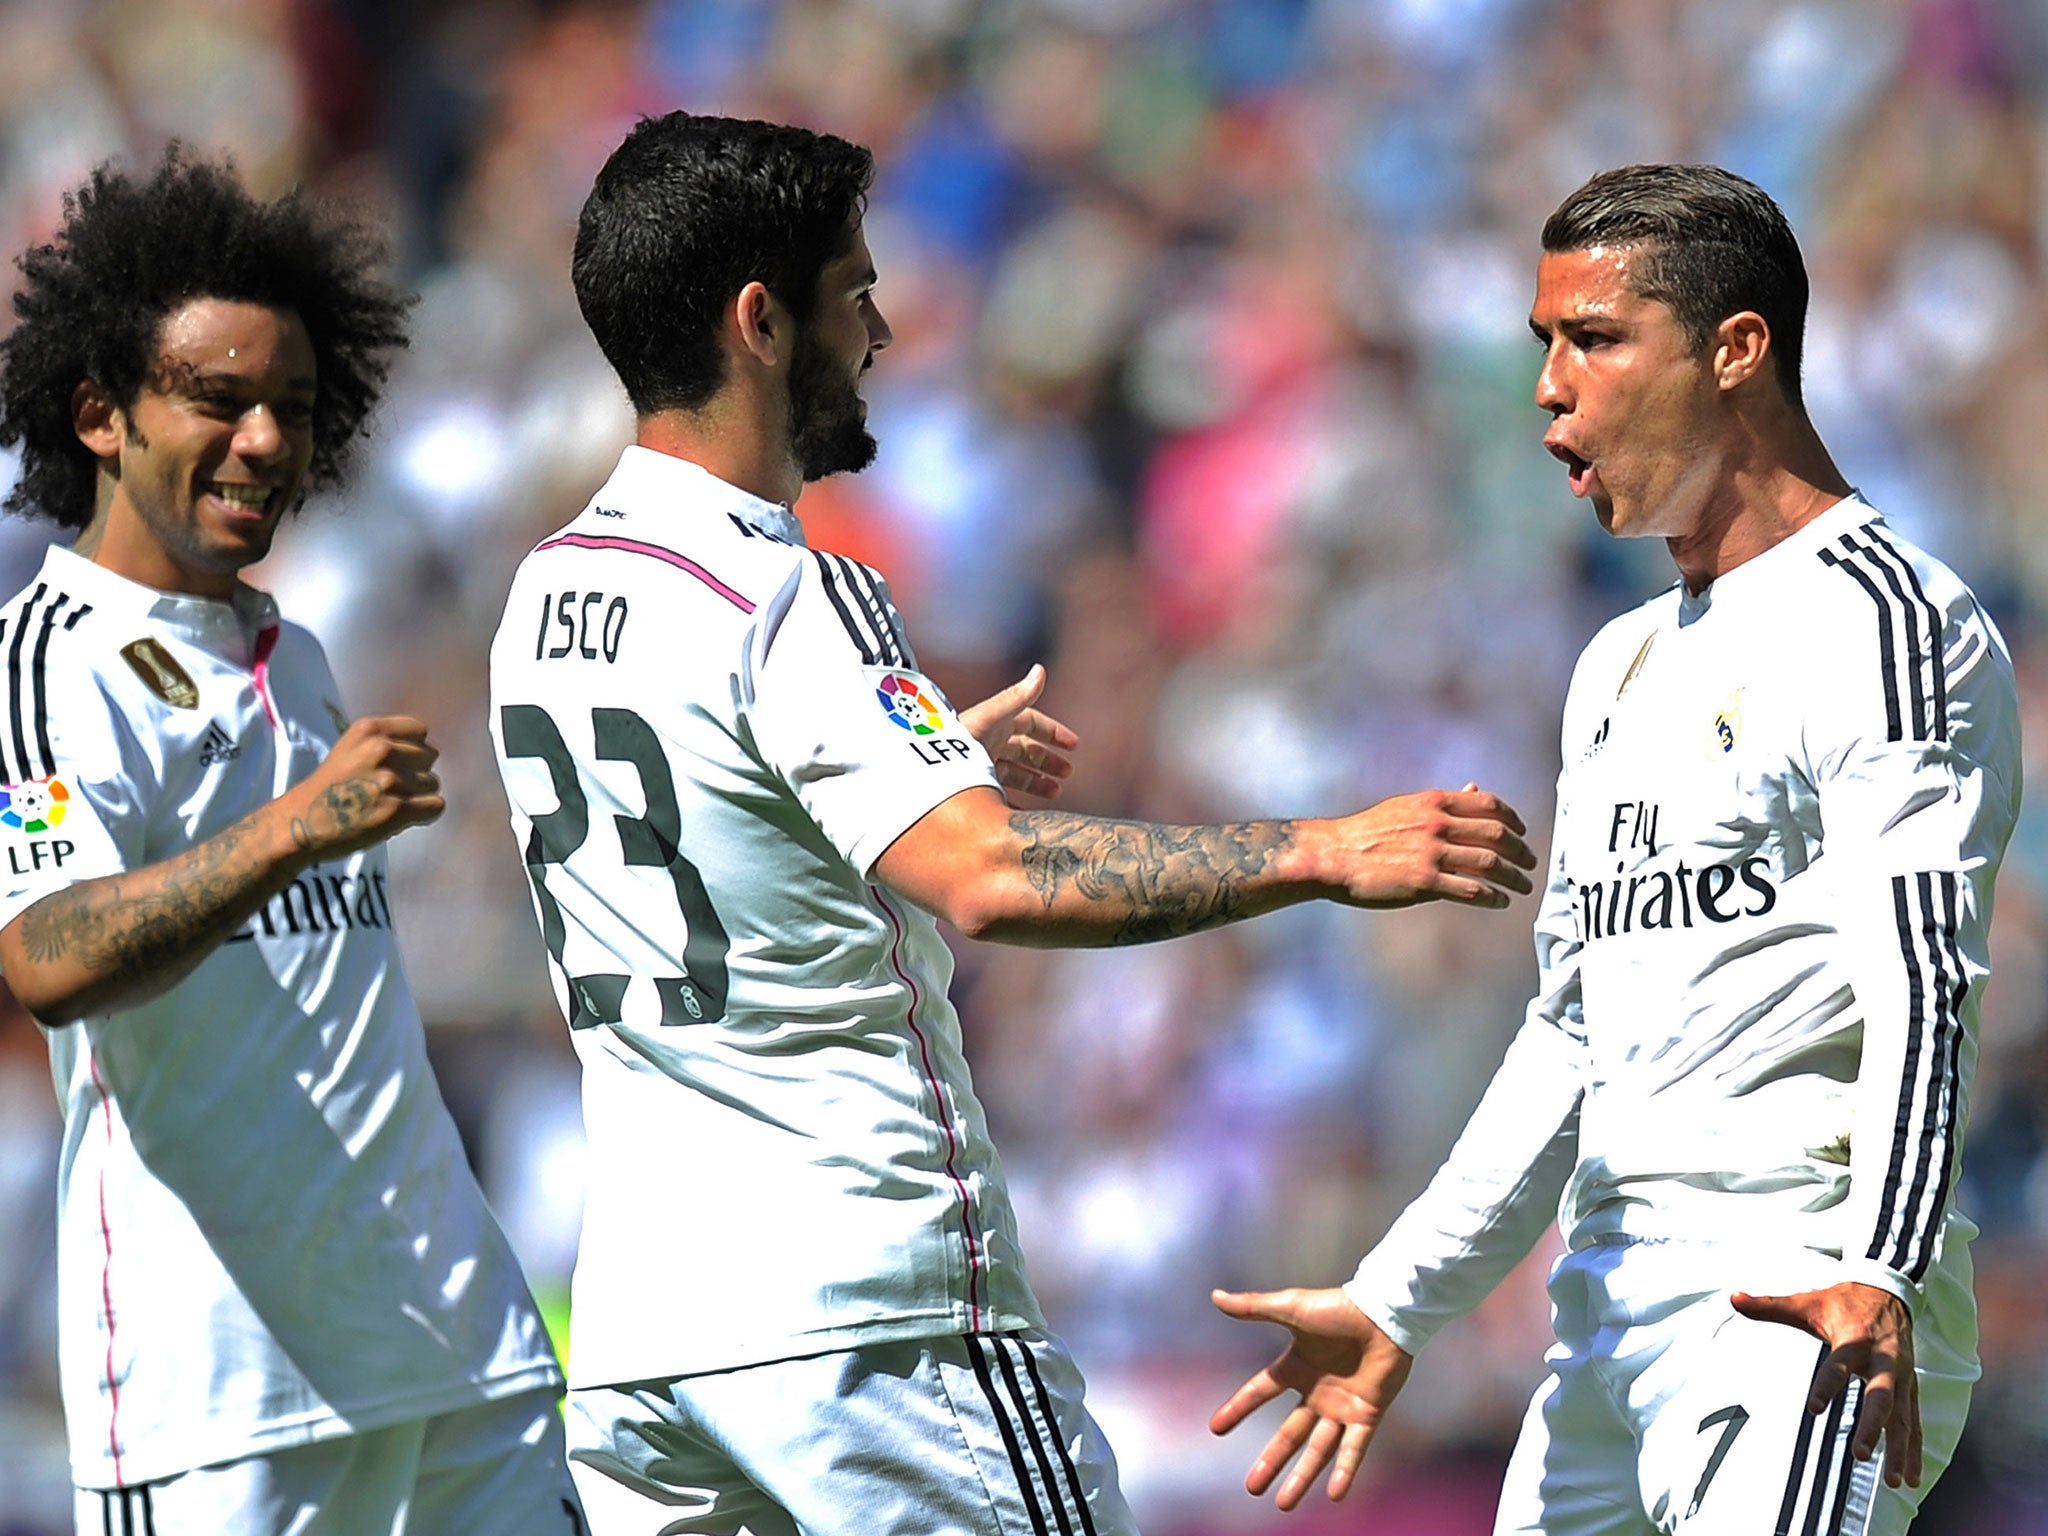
[243, 616]
[1844, 514]
[675, 475]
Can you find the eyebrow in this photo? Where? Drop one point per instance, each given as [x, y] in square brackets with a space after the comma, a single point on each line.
[192, 376]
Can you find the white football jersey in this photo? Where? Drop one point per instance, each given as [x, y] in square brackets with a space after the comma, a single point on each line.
[267, 1231]
[1765, 934]
[708, 735]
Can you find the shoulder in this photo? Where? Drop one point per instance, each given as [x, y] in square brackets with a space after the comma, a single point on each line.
[1618, 646]
[72, 682]
[1880, 605]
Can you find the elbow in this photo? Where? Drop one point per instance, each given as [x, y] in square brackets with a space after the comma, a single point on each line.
[988, 910]
[974, 913]
[48, 1005]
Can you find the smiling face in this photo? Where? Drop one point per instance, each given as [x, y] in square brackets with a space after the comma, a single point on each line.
[213, 451]
[1637, 415]
[828, 418]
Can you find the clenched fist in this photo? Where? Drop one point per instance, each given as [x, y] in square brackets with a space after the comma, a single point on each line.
[378, 780]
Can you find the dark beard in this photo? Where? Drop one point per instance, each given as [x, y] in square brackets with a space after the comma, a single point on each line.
[828, 427]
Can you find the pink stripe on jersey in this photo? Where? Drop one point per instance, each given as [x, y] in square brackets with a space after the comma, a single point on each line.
[974, 1261]
[107, 1271]
[266, 642]
[635, 547]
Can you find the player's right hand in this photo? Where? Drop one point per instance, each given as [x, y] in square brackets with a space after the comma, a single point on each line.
[1869, 1333]
[378, 780]
[1435, 845]
[1345, 1368]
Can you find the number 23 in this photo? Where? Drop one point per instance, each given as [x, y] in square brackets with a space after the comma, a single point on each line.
[621, 736]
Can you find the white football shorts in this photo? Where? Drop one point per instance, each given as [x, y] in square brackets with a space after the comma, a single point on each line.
[982, 1434]
[498, 1467]
[1667, 1413]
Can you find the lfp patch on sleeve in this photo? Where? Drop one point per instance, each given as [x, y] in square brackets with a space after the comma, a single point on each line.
[31, 814]
[914, 705]
[37, 805]
[910, 702]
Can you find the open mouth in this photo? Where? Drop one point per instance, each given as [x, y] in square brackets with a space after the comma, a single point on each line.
[241, 499]
[1579, 470]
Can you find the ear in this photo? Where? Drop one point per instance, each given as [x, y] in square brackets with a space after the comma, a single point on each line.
[1742, 349]
[99, 423]
[762, 325]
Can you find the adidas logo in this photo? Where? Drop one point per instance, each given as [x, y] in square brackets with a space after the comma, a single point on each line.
[216, 746]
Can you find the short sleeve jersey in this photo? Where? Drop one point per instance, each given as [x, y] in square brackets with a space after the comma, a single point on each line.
[1782, 810]
[267, 1230]
[709, 734]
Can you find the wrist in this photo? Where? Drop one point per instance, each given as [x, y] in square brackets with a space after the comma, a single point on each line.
[284, 841]
[1299, 865]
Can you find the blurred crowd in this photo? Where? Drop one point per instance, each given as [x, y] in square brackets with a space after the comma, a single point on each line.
[1212, 389]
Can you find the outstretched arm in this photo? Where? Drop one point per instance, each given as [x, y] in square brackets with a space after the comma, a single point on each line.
[122, 939]
[1058, 878]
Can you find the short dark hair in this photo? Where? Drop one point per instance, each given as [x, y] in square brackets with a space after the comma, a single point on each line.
[687, 212]
[131, 252]
[1714, 245]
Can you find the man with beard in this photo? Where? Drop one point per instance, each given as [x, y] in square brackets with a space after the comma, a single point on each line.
[799, 1304]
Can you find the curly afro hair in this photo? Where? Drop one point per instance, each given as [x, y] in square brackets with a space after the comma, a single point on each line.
[129, 253]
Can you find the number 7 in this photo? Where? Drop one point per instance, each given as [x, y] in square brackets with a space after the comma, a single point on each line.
[1731, 1418]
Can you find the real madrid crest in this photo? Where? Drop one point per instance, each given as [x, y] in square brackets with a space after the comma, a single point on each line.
[1727, 726]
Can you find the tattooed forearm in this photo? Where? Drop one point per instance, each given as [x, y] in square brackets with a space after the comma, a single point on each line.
[1159, 881]
[117, 935]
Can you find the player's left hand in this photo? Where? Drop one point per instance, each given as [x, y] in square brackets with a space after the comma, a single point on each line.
[1869, 1333]
[1027, 744]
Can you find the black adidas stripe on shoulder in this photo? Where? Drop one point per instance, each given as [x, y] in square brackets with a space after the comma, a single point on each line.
[867, 638]
[20, 708]
[25, 748]
[865, 585]
[1908, 632]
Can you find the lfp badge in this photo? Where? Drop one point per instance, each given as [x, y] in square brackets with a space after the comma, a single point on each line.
[35, 806]
[909, 705]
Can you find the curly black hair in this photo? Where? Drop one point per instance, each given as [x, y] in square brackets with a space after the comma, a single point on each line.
[129, 253]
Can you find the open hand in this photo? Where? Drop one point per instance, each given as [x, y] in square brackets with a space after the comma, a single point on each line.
[1435, 845]
[1347, 1372]
[1028, 745]
[1869, 1333]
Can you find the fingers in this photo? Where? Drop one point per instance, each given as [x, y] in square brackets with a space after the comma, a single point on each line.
[1878, 1401]
[1488, 864]
[1036, 725]
[1914, 1466]
[1475, 804]
[1321, 1445]
[1256, 1306]
[1801, 1311]
[1245, 1401]
[1287, 1439]
[1469, 893]
[1005, 702]
[1831, 1380]
[1350, 1455]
